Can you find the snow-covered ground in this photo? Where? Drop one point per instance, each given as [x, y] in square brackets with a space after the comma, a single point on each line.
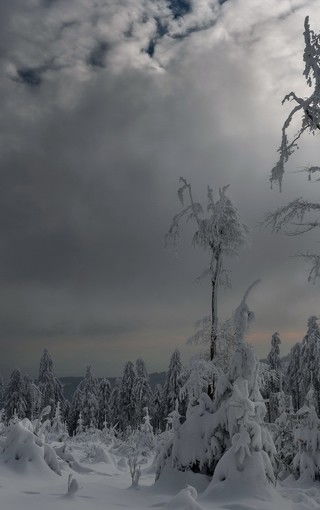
[105, 485]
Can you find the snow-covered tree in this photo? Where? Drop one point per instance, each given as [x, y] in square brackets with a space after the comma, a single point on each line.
[104, 392]
[292, 379]
[228, 432]
[126, 400]
[114, 403]
[307, 439]
[220, 233]
[33, 398]
[308, 107]
[273, 358]
[89, 399]
[2, 392]
[310, 361]
[58, 430]
[141, 391]
[85, 400]
[300, 216]
[284, 436]
[304, 366]
[173, 383]
[80, 426]
[270, 374]
[15, 396]
[146, 433]
[49, 385]
[157, 408]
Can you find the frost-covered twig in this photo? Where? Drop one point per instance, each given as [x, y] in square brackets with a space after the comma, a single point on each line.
[314, 260]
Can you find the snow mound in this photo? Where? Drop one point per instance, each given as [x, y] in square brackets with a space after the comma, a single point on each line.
[25, 453]
[248, 485]
[73, 486]
[172, 481]
[185, 500]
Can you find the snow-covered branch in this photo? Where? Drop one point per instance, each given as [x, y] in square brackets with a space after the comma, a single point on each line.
[308, 107]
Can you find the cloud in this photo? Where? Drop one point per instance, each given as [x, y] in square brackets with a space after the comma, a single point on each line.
[114, 101]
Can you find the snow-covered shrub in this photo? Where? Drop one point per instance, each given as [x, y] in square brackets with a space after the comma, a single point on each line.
[25, 452]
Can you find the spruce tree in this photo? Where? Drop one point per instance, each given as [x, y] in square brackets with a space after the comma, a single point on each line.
[141, 391]
[15, 397]
[310, 361]
[306, 462]
[48, 384]
[33, 398]
[292, 379]
[104, 392]
[173, 383]
[86, 400]
[157, 411]
[127, 403]
[2, 392]
[114, 403]
[273, 358]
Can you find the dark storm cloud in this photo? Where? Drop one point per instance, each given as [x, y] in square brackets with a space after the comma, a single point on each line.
[90, 160]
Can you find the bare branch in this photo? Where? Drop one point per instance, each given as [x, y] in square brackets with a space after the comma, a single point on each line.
[286, 215]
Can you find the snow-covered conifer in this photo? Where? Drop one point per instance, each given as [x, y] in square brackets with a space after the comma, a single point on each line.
[114, 402]
[146, 433]
[273, 358]
[127, 403]
[15, 396]
[157, 408]
[104, 392]
[80, 426]
[310, 361]
[292, 379]
[58, 429]
[228, 431]
[89, 399]
[173, 383]
[33, 398]
[307, 439]
[141, 391]
[85, 400]
[2, 392]
[49, 385]
[284, 436]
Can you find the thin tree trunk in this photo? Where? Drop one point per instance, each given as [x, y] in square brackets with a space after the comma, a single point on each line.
[214, 306]
[214, 314]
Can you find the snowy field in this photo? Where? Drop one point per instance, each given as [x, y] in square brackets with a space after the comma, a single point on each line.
[102, 481]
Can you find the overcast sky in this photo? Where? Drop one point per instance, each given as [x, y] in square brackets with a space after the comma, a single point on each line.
[104, 105]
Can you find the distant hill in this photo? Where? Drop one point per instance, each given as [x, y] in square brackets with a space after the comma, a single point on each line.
[70, 383]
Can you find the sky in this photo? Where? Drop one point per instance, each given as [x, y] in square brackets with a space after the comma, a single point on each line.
[105, 104]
